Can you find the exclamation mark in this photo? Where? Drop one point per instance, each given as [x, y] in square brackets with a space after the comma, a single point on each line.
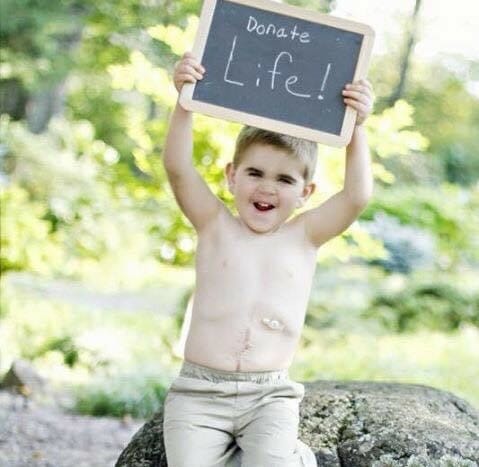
[257, 79]
[320, 97]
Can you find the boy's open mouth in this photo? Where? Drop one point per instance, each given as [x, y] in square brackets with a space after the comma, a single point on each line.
[263, 206]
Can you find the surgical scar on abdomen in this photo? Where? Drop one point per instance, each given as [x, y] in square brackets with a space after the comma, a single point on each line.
[245, 348]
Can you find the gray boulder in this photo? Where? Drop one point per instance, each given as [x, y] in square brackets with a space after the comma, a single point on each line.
[362, 424]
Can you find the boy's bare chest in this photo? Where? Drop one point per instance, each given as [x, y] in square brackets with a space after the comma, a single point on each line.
[264, 263]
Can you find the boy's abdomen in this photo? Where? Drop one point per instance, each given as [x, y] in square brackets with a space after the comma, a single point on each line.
[259, 343]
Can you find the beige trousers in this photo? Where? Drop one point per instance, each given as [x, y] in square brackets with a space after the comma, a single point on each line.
[215, 418]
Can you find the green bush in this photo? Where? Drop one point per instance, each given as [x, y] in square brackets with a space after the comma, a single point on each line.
[447, 212]
[432, 306]
[408, 247]
[126, 396]
[25, 238]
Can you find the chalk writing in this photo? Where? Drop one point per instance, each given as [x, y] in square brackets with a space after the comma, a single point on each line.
[280, 32]
[274, 71]
[230, 59]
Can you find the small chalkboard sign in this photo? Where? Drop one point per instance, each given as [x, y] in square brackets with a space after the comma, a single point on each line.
[278, 67]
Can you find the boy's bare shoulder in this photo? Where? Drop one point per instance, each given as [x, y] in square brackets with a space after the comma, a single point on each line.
[222, 222]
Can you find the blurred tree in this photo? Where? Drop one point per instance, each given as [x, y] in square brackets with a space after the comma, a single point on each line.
[447, 113]
[37, 40]
[410, 38]
[44, 43]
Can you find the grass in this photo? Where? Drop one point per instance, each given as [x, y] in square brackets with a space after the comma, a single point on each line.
[446, 361]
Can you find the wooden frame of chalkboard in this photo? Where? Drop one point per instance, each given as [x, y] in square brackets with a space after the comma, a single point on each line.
[309, 106]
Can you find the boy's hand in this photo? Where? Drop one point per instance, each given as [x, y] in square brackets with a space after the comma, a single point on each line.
[359, 96]
[187, 70]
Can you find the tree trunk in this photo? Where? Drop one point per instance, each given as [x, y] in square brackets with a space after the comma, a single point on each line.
[43, 105]
[13, 98]
[410, 42]
[50, 101]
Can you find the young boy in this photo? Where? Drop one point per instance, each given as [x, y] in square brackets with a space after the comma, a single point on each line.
[233, 402]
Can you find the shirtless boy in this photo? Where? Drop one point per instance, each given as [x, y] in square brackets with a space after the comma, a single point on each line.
[233, 402]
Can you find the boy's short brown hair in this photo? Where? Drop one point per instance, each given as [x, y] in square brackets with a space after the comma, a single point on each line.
[306, 151]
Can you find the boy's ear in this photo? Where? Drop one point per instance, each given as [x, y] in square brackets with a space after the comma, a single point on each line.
[308, 190]
[230, 176]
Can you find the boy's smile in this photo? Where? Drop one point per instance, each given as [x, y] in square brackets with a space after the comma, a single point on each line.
[268, 185]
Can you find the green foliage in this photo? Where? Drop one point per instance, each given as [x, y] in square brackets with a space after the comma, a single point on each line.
[447, 113]
[139, 398]
[448, 212]
[25, 238]
[424, 357]
[72, 353]
[45, 332]
[36, 37]
[71, 345]
[66, 345]
[391, 133]
[446, 108]
[439, 306]
[408, 248]
[77, 217]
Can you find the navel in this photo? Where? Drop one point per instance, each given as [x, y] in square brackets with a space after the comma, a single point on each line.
[273, 324]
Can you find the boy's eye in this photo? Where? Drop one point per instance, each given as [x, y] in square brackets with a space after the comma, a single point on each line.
[286, 180]
[254, 174]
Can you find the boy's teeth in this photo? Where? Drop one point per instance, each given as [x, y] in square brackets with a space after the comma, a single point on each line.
[263, 206]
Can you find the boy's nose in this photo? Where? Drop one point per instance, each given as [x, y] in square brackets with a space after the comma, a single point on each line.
[267, 187]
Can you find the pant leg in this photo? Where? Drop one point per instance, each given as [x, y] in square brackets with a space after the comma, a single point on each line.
[197, 426]
[268, 436]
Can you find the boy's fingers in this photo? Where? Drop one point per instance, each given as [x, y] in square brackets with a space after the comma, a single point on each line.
[356, 95]
[358, 106]
[188, 57]
[182, 78]
[364, 82]
[188, 69]
[359, 88]
[193, 63]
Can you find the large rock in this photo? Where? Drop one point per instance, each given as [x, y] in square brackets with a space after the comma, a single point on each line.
[362, 424]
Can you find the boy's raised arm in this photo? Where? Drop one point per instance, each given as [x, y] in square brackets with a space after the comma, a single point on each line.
[192, 193]
[337, 213]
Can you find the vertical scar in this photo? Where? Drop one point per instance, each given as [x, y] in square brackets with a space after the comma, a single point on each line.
[246, 346]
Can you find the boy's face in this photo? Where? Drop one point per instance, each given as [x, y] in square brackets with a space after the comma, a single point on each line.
[267, 185]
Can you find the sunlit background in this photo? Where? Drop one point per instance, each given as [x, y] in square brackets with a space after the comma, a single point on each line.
[97, 258]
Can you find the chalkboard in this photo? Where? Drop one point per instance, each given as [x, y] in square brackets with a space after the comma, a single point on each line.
[278, 67]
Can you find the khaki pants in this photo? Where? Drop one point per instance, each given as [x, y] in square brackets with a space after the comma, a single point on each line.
[215, 418]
